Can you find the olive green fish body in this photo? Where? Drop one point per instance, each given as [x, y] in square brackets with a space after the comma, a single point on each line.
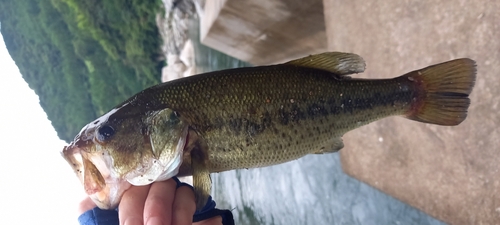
[263, 116]
[254, 117]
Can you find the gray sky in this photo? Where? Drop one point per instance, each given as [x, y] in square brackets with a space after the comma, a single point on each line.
[37, 185]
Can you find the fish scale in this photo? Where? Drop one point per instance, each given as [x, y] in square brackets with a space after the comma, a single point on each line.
[275, 114]
[254, 117]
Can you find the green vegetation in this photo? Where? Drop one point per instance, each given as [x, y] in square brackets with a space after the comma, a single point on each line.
[83, 57]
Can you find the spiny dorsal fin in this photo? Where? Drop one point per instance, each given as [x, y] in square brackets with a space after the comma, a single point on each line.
[335, 62]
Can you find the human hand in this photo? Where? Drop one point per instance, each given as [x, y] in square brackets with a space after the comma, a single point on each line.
[157, 203]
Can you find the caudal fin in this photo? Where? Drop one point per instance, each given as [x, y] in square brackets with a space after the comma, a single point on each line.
[445, 90]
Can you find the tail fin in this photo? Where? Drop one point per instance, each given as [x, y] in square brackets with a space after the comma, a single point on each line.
[444, 98]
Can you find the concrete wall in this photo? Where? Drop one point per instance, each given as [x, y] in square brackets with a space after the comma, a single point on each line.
[452, 173]
[264, 31]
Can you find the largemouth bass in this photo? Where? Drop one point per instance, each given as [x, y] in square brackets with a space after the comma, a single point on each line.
[254, 117]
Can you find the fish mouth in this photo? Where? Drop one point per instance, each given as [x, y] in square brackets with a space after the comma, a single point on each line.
[100, 184]
[93, 166]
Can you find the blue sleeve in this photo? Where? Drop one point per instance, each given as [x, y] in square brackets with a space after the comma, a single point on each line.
[98, 216]
[209, 211]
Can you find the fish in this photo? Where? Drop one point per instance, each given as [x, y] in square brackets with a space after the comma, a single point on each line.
[254, 117]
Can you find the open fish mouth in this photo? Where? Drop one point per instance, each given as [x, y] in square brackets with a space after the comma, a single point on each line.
[100, 182]
[103, 183]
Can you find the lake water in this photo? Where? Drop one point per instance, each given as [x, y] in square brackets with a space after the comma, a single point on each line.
[311, 190]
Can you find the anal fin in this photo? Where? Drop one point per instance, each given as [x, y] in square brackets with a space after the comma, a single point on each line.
[332, 145]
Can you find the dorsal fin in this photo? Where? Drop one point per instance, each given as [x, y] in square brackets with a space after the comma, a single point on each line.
[335, 62]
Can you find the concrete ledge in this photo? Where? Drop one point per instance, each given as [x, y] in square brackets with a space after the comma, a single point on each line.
[451, 173]
[264, 31]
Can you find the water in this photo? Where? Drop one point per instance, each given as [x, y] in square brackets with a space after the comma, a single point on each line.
[311, 190]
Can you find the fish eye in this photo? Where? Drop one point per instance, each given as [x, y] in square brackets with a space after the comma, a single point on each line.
[105, 132]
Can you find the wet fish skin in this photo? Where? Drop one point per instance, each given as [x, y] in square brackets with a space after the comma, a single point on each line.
[255, 117]
[272, 114]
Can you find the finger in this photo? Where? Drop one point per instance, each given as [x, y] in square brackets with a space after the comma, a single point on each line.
[85, 205]
[184, 206]
[158, 206]
[132, 205]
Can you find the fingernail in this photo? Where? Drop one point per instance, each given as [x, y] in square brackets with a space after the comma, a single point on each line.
[154, 221]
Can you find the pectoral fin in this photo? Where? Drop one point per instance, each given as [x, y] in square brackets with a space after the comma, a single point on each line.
[201, 181]
[335, 62]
